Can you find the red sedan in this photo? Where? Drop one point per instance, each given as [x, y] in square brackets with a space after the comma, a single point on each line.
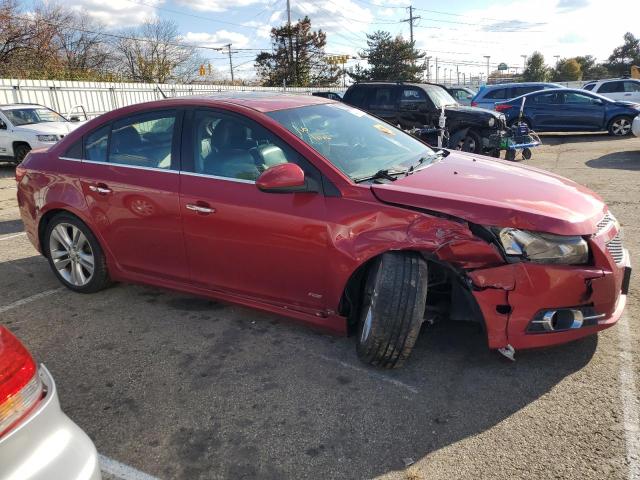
[315, 210]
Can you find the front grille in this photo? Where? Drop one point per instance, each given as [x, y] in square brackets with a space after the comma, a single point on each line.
[615, 248]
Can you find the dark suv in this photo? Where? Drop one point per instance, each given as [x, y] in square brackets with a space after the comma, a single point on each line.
[416, 105]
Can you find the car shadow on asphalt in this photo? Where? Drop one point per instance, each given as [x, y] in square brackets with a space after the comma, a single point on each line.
[11, 226]
[628, 160]
[7, 170]
[184, 387]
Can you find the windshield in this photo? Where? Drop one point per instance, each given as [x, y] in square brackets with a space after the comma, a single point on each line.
[29, 116]
[439, 96]
[355, 142]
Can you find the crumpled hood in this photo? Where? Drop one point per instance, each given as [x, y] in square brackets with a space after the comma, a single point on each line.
[493, 192]
[49, 128]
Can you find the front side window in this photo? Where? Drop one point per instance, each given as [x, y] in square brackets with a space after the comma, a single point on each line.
[32, 115]
[143, 140]
[356, 143]
[236, 148]
[573, 98]
[590, 86]
[545, 99]
[96, 143]
[611, 87]
[439, 96]
[412, 98]
[632, 86]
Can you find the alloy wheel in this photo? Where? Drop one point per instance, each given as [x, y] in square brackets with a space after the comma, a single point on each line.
[621, 127]
[71, 254]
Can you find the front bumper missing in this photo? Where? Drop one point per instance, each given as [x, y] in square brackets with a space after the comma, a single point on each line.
[514, 299]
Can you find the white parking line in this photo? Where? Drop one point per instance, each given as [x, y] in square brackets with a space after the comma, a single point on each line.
[370, 373]
[122, 471]
[24, 301]
[630, 402]
[13, 236]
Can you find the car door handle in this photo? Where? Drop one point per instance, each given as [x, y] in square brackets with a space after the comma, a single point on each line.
[200, 208]
[101, 189]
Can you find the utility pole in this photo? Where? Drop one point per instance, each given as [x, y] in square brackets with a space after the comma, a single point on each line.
[230, 61]
[524, 62]
[411, 19]
[445, 75]
[290, 42]
[458, 74]
[488, 72]
[557, 57]
[428, 71]
[437, 69]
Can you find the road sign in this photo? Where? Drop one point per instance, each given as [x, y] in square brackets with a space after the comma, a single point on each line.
[502, 67]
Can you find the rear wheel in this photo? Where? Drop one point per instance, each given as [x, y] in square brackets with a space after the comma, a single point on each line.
[75, 255]
[20, 151]
[620, 126]
[392, 309]
[471, 143]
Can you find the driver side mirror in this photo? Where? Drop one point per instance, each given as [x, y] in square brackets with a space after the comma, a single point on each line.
[74, 118]
[597, 101]
[3, 126]
[285, 178]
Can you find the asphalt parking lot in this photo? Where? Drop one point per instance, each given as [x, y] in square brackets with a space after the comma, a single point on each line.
[187, 388]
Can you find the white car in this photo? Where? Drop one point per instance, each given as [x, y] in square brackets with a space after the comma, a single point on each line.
[27, 126]
[623, 89]
[635, 127]
[37, 440]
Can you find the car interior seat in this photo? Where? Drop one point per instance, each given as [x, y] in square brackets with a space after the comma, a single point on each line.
[230, 152]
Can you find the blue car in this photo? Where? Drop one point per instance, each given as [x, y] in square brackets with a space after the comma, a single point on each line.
[489, 95]
[571, 110]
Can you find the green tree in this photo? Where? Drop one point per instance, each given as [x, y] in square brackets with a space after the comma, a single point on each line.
[567, 70]
[625, 55]
[297, 58]
[390, 59]
[590, 69]
[536, 70]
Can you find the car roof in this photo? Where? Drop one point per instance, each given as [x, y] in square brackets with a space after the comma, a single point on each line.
[260, 101]
[519, 84]
[14, 106]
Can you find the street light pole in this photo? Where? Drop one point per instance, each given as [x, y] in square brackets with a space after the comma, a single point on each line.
[487, 57]
[524, 63]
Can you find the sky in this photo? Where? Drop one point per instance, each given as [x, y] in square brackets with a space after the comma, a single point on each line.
[459, 33]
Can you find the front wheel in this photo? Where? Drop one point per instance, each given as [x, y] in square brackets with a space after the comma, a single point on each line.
[392, 309]
[471, 143]
[21, 152]
[620, 126]
[74, 254]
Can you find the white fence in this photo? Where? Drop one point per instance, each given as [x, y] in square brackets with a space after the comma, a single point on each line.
[101, 97]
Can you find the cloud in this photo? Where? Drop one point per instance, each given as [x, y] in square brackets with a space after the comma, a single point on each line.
[262, 30]
[511, 26]
[217, 39]
[217, 5]
[569, 5]
[117, 13]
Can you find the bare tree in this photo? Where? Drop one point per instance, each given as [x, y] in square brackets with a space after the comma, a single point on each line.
[14, 35]
[154, 53]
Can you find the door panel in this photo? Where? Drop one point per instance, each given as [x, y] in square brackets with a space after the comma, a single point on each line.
[269, 246]
[581, 111]
[135, 205]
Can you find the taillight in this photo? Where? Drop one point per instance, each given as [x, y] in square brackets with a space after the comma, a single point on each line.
[474, 104]
[20, 385]
[20, 173]
[503, 107]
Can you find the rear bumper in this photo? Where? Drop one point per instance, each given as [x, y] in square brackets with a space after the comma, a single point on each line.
[47, 444]
[522, 291]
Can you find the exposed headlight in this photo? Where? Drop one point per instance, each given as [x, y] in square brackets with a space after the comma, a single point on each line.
[47, 138]
[492, 122]
[544, 247]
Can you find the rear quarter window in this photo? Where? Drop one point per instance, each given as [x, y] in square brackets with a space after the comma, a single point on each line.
[74, 151]
[497, 94]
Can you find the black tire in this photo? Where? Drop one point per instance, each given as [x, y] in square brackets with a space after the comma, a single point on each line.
[392, 309]
[510, 155]
[620, 126]
[99, 278]
[494, 152]
[471, 143]
[21, 151]
[526, 153]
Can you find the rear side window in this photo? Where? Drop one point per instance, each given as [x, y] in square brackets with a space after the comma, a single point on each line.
[517, 91]
[498, 93]
[611, 87]
[95, 144]
[545, 99]
[143, 140]
[356, 96]
[382, 98]
[590, 86]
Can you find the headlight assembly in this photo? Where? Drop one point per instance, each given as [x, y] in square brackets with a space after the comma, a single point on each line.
[47, 138]
[492, 122]
[544, 247]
